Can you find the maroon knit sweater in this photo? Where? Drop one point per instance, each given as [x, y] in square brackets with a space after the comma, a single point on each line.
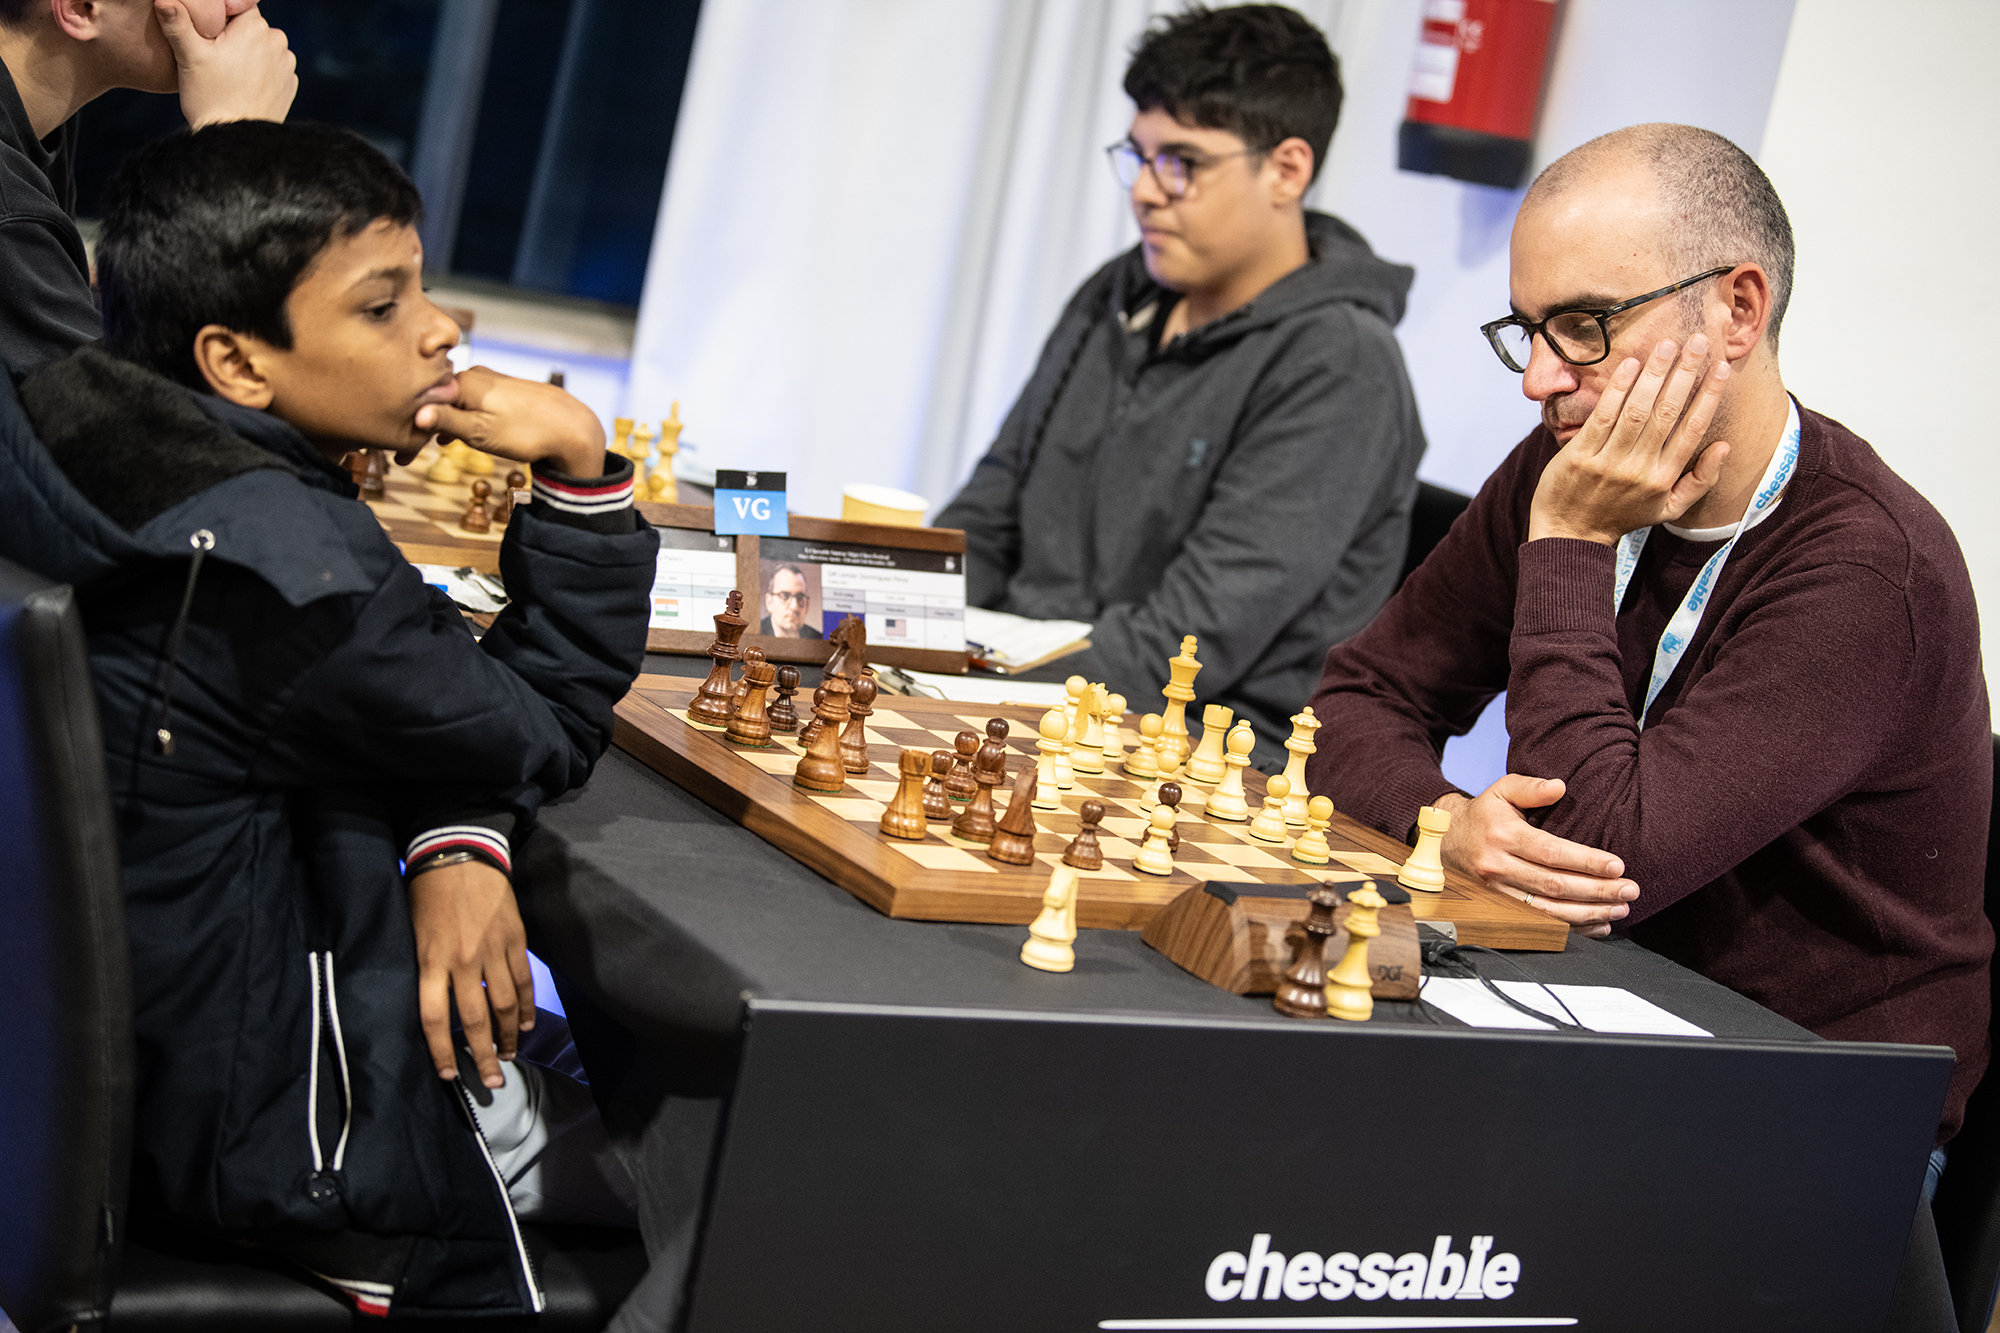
[1805, 813]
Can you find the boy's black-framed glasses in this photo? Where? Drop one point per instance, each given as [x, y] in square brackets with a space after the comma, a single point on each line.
[1172, 170]
[1580, 337]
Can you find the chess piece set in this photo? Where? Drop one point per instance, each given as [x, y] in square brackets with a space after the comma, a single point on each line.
[745, 710]
[370, 470]
[1308, 989]
[751, 709]
[485, 511]
[957, 788]
[1166, 759]
[1051, 942]
[652, 481]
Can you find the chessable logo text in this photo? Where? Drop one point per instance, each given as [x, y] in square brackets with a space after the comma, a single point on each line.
[1442, 1275]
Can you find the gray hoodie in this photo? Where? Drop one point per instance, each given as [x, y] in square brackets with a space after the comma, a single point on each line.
[1250, 483]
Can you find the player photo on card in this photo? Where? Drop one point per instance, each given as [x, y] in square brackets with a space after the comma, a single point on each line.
[792, 600]
[909, 598]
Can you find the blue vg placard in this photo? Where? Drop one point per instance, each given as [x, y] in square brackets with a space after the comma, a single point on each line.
[750, 502]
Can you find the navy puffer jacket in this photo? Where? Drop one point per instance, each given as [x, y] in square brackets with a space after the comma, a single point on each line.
[325, 706]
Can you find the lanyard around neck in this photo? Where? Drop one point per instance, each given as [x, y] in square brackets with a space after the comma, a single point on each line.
[1680, 629]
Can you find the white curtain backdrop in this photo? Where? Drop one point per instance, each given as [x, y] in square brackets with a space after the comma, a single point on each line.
[874, 212]
[875, 209]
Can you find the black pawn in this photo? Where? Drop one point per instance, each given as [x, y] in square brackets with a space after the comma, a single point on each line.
[784, 714]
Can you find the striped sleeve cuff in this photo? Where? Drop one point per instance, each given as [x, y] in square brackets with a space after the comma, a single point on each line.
[599, 495]
[475, 838]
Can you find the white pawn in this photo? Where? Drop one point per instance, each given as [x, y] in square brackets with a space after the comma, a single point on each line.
[1269, 825]
[1049, 941]
[1114, 736]
[1155, 858]
[1206, 763]
[1425, 868]
[1311, 847]
[1086, 750]
[1145, 761]
[1048, 790]
[1227, 801]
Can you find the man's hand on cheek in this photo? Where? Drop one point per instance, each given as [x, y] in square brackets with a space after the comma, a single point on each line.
[245, 72]
[1637, 462]
[520, 419]
[1492, 841]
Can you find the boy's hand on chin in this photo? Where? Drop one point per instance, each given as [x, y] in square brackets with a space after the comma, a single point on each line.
[524, 420]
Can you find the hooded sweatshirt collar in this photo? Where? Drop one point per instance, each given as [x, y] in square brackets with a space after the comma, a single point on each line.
[142, 465]
[1342, 269]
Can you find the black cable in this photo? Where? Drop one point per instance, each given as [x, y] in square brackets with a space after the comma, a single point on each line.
[1449, 953]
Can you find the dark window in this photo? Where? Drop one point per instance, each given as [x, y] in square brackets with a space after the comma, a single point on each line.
[558, 181]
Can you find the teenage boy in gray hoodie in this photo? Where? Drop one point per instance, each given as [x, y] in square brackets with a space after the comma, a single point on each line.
[1220, 437]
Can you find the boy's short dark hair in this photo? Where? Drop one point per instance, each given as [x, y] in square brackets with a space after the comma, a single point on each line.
[1262, 72]
[217, 226]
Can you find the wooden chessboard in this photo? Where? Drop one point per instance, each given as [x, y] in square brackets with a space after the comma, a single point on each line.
[944, 879]
[421, 517]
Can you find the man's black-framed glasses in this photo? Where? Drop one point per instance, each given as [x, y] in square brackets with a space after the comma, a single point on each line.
[1172, 170]
[1580, 337]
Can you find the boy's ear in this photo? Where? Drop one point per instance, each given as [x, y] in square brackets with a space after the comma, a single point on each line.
[233, 365]
[1292, 168]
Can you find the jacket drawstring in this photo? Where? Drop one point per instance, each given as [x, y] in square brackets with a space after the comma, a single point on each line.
[203, 541]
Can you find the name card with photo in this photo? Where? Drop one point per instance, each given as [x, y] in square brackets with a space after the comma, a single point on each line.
[906, 584]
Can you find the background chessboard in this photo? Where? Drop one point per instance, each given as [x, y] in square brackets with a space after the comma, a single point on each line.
[945, 879]
[421, 517]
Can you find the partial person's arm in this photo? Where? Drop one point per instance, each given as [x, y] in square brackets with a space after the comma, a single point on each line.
[476, 735]
[1323, 449]
[471, 944]
[1804, 687]
[1423, 671]
[47, 311]
[1427, 665]
[1803, 693]
[1610, 479]
[988, 508]
[482, 734]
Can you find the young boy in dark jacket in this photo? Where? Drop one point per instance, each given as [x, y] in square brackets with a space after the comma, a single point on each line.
[290, 711]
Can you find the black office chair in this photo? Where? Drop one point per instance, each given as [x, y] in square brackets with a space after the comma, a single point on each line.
[1967, 1207]
[66, 1048]
[1430, 518]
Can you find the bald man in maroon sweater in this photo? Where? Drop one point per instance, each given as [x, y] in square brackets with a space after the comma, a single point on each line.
[1771, 760]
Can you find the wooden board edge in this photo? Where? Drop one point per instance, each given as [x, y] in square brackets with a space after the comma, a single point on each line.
[806, 527]
[814, 652]
[773, 826]
[451, 557]
[912, 901]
